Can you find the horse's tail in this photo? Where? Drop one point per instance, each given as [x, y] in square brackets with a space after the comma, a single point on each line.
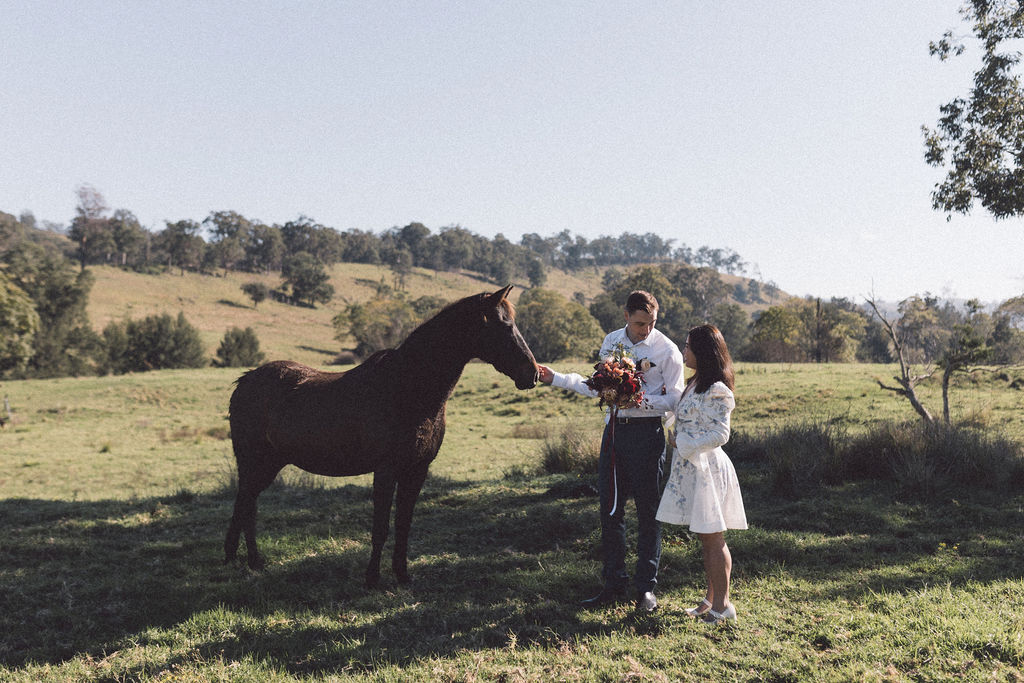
[248, 411]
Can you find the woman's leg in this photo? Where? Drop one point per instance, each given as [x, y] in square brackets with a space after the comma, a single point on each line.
[718, 566]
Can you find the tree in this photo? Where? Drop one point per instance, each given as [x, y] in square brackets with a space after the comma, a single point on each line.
[19, 324]
[257, 291]
[361, 246]
[776, 336]
[966, 347]
[380, 323]
[908, 379]
[264, 250]
[229, 235]
[239, 349]
[307, 279]
[535, 272]
[674, 312]
[12, 231]
[734, 324]
[413, 238]
[65, 343]
[702, 287]
[556, 328]
[833, 330]
[456, 247]
[90, 230]
[980, 139]
[300, 235]
[401, 267]
[182, 244]
[1007, 337]
[129, 237]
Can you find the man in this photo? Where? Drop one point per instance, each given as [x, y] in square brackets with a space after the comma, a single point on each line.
[638, 440]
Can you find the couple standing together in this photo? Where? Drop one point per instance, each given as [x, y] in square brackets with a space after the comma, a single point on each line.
[701, 491]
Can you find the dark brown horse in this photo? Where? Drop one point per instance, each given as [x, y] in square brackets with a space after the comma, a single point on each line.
[386, 416]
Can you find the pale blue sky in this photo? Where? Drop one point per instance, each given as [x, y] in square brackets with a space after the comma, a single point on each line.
[788, 131]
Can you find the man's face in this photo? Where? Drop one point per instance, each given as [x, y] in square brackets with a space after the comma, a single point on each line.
[639, 324]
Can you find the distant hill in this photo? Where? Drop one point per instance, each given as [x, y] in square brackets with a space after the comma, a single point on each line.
[215, 303]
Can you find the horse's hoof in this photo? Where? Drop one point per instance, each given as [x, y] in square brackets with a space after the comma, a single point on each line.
[257, 563]
[403, 578]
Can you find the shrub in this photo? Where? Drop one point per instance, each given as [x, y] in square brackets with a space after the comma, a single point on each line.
[803, 456]
[572, 451]
[940, 460]
[923, 461]
[239, 349]
[257, 291]
[155, 342]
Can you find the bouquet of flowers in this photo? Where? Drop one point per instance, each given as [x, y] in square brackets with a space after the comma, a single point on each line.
[618, 378]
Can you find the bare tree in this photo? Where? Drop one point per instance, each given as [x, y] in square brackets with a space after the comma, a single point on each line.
[907, 379]
[90, 229]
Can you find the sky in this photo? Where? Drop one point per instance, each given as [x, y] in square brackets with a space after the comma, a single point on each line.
[788, 131]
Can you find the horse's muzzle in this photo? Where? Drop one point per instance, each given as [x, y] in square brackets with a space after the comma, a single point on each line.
[528, 383]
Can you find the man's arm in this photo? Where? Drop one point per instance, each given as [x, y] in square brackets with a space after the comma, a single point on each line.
[674, 384]
[570, 381]
[573, 381]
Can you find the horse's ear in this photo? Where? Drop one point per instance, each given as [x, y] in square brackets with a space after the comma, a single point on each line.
[500, 294]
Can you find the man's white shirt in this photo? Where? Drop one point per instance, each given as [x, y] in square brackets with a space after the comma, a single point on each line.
[667, 371]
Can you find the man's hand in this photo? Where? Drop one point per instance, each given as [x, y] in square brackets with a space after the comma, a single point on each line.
[545, 374]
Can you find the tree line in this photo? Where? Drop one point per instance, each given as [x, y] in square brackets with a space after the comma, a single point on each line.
[230, 241]
[44, 288]
[45, 329]
[924, 329]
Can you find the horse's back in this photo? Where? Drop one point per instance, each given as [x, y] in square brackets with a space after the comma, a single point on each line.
[289, 412]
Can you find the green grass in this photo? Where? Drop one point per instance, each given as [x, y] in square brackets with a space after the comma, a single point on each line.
[115, 494]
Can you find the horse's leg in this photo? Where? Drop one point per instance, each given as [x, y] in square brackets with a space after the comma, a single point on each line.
[234, 531]
[408, 492]
[251, 484]
[383, 493]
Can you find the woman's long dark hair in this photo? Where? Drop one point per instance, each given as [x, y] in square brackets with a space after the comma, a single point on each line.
[714, 364]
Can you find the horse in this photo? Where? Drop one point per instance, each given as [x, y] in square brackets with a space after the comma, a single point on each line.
[386, 416]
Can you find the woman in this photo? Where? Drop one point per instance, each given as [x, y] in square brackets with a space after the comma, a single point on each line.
[702, 489]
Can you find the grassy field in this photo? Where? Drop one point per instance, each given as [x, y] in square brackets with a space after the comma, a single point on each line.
[115, 494]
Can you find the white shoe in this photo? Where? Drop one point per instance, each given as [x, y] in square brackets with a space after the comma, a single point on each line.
[699, 609]
[713, 617]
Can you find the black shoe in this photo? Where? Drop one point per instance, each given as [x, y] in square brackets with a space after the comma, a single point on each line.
[607, 596]
[646, 602]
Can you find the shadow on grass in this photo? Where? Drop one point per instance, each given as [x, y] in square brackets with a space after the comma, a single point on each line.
[233, 304]
[858, 538]
[313, 349]
[493, 563]
[85, 578]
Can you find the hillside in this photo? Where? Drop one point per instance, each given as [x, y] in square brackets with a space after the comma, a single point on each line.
[215, 303]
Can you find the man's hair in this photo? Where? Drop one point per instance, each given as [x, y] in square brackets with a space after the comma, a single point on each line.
[639, 300]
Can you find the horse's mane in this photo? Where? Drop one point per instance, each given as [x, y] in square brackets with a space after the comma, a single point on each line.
[506, 305]
[454, 309]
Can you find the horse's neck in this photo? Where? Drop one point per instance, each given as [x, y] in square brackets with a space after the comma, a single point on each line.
[433, 360]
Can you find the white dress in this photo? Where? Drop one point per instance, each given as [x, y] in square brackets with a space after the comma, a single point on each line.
[702, 489]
